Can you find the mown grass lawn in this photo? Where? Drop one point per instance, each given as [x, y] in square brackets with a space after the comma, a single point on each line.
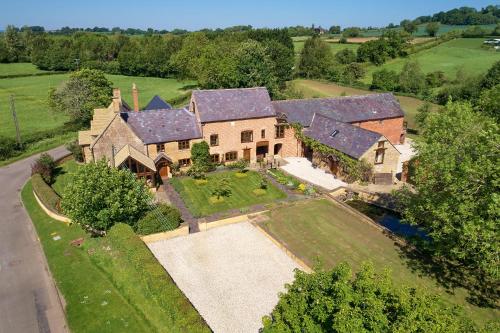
[197, 197]
[466, 54]
[64, 175]
[111, 284]
[314, 89]
[319, 230]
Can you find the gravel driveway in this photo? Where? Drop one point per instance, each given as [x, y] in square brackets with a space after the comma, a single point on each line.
[231, 274]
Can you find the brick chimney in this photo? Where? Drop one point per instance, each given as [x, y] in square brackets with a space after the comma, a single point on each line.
[135, 97]
[117, 99]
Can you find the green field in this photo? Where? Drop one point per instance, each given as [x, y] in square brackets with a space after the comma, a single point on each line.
[462, 53]
[31, 98]
[320, 230]
[64, 175]
[334, 46]
[198, 197]
[102, 285]
[443, 28]
[314, 89]
[25, 68]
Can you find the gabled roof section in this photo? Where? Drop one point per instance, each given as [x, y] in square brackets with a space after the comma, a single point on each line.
[157, 103]
[346, 138]
[346, 109]
[100, 120]
[156, 126]
[232, 104]
[129, 151]
[84, 138]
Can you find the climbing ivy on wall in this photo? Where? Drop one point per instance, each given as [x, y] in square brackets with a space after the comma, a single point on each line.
[352, 169]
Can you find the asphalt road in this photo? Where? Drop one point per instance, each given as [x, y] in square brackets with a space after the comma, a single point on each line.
[28, 297]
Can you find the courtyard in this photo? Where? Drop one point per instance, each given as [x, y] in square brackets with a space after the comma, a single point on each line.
[302, 168]
[232, 274]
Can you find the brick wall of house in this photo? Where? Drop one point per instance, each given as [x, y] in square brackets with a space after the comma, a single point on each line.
[390, 128]
[117, 134]
[229, 133]
[291, 146]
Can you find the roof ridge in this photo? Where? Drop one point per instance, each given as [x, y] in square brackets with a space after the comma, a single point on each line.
[333, 97]
[349, 124]
[226, 89]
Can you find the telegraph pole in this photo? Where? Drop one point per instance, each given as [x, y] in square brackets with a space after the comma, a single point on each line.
[14, 116]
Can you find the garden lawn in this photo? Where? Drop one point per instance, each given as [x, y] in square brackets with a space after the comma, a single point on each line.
[64, 175]
[197, 197]
[31, 98]
[467, 54]
[102, 286]
[315, 89]
[320, 230]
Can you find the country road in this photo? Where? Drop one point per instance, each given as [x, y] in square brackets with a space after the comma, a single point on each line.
[28, 298]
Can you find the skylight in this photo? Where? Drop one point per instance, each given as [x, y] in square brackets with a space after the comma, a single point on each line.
[335, 132]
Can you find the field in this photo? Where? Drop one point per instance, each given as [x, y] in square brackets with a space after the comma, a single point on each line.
[31, 98]
[443, 28]
[313, 89]
[334, 46]
[463, 53]
[319, 230]
[198, 197]
[103, 287]
[19, 69]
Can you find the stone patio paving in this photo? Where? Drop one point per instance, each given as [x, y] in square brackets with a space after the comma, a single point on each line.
[302, 168]
[231, 274]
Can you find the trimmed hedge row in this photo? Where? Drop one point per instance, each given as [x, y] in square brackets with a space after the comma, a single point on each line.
[155, 284]
[46, 194]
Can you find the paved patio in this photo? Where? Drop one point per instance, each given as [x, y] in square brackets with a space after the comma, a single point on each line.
[407, 152]
[302, 168]
[231, 274]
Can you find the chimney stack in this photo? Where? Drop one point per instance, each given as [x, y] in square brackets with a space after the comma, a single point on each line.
[135, 97]
[117, 99]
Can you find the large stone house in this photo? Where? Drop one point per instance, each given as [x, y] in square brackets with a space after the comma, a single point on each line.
[243, 124]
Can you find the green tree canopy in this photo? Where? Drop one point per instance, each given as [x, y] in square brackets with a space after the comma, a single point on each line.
[456, 196]
[81, 94]
[411, 78]
[332, 301]
[100, 196]
[432, 28]
[315, 58]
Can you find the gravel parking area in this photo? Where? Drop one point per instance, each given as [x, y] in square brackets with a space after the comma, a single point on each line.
[231, 274]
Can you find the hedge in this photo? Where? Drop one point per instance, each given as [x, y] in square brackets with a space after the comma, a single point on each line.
[156, 284]
[46, 194]
[159, 219]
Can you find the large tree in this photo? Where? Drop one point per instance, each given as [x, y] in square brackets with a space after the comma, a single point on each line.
[315, 58]
[332, 301]
[456, 197]
[81, 94]
[411, 78]
[432, 28]
[100, 196]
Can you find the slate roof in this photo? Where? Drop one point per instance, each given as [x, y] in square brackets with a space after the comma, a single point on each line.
[346, 109]
[233, 104]
[349, 139]
[155, 126]
[157, 103]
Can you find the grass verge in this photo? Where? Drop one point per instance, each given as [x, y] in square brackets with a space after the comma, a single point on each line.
[102, 284]
[197, 197]
[319, 230]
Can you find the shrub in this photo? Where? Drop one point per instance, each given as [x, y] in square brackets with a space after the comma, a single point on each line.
[45, 193]
[240, 164]
[345, 56]
[221, 188]
[197, 171]
[100, 196]
[385, 80]
[435, 79]
[343, 40]
[8, 147]
[263, 184]
[200, 155]
[76, 150]
[161, 218]
[44, 166]
[259, 192]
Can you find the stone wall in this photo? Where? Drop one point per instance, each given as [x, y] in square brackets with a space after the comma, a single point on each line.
[391, 158]
[117, 134]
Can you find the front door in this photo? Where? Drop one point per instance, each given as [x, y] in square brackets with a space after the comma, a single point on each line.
[163, 169]
[246, 154]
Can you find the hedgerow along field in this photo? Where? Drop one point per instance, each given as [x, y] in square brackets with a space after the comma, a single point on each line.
[467, 54]
[31, 95]
[335, 46]
[317, 89]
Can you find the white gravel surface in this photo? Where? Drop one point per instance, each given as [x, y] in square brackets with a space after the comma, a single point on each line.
[302, 168]
[231, 274]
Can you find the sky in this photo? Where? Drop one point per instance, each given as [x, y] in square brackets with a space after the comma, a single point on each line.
[198, 14]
